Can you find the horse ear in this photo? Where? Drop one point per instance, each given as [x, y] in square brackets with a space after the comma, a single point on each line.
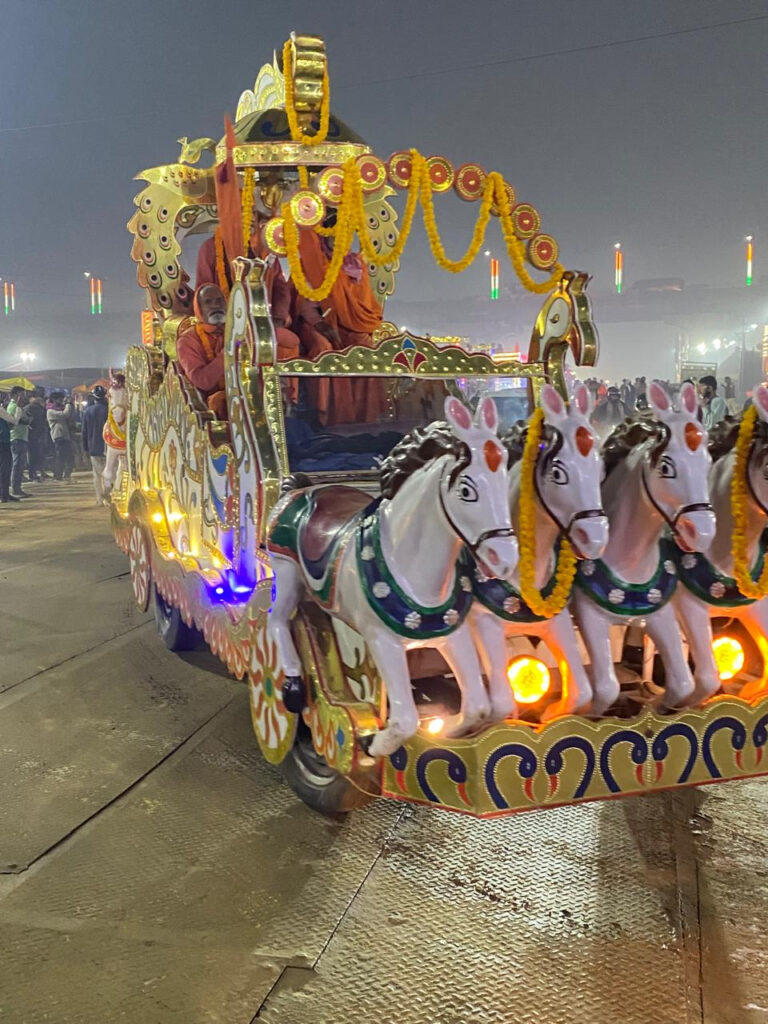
[658, 398]
[688, 398]
[487, 414]
[552, 404]
[582, 399]
[457, 414]
[760, 401]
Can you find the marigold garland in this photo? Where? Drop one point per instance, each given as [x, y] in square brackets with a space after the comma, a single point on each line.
[205, 341]
[248, 201]
[756, 589]
[290, 109]
[221, 264]
[351, 220]
[565, 570]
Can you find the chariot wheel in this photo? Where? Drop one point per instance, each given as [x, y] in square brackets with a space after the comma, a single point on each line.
[141, 569]
[321, 787]
[174, 632]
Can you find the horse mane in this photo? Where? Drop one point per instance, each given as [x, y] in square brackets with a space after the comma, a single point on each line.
[415, 450]
[631, 433]
[514, 440]
[723, 436]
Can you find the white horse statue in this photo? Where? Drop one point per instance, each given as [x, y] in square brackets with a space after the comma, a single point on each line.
[656, 478]
[114, 430]
[707, 584]
[566, 477]
[393, 569]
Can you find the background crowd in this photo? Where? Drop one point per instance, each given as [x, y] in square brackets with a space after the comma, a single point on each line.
[614, 402]
[46, 436]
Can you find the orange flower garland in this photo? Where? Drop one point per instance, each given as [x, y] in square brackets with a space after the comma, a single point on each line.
[352, 220]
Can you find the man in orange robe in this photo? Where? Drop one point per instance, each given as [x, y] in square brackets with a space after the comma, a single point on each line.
[200, 350]
[353, 316]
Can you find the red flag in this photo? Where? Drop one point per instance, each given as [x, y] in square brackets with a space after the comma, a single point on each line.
[228, 198]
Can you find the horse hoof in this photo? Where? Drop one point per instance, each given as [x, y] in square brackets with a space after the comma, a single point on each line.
[294, 694]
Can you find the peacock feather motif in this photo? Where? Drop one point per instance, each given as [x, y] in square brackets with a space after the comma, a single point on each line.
[176, 195]
[381, 217]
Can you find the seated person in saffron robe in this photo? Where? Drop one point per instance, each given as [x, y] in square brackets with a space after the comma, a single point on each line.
[200, 350]
[353, 316]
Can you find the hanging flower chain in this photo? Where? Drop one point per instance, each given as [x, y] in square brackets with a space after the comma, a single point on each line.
[205, 341]
[756, 589]
[221, 266]
[352, 220]
[290, 109]
[249, 191]
[565, 569]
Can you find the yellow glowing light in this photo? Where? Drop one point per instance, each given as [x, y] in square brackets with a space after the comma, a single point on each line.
[529, 679]
[157, 517]
[729, 656]
[171, 554]
[176, 517]
[435, 725]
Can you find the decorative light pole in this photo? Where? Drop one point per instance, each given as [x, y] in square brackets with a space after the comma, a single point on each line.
[9, 297]
[96, 287]
[750, 252]
[618, 267]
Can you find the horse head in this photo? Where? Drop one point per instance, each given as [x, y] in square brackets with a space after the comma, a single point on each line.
[757, 467]
[675, 468]
[569, 471]
[473, 493]
[564, 322]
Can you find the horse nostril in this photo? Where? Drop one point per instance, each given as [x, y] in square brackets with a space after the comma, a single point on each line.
[493, 558]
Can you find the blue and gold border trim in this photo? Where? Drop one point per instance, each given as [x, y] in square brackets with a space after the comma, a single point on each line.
[515, 767]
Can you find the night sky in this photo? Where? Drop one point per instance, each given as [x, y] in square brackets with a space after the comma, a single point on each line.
[658, 142]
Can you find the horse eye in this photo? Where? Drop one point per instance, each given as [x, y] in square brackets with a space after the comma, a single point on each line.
[667, 469]
[555, 318]
[558, 473]
[467, 490]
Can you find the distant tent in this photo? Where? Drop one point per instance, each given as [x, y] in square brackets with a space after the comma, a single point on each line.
[16, 382]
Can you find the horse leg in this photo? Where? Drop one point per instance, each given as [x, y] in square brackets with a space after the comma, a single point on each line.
[459, 651]
[595, 632]
[488, 632]
[389, 657]
[663, 629]
[755, 618]
[560, 638]
[693, 616]
[289, 586]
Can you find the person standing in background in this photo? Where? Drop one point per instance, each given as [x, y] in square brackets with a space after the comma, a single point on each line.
[713, 406]
[94, 418]
[38, 431]
[60, 423]
[6, 459]
[17, 407]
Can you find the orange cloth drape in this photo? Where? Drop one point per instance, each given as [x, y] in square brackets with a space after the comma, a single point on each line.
[352, 302]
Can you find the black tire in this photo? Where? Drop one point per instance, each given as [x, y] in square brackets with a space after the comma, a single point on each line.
[174, 632]
[319, 786]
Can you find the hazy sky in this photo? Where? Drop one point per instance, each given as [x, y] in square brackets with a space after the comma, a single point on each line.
[659, 142]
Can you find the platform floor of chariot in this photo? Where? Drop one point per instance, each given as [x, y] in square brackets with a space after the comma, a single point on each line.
[154, 870]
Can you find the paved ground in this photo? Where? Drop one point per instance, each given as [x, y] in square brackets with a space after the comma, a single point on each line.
[154, 869]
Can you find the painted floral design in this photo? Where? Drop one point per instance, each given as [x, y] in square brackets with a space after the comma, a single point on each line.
[689, 560]
[273, 725]
[412, 620]
[616, 596]
[654, 595]
[511, 605]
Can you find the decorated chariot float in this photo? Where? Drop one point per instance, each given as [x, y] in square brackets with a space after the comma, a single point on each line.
[437, 585]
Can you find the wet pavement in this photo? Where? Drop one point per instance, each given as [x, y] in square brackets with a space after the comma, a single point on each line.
[154, 869]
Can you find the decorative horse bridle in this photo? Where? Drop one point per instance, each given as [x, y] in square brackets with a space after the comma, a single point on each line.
[503, 531]
[694, 506]
[750, 488]
[587, 513]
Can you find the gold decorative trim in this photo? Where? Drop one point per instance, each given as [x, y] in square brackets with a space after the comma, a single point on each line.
[385, 361]
[292, 154]
[515, 767]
